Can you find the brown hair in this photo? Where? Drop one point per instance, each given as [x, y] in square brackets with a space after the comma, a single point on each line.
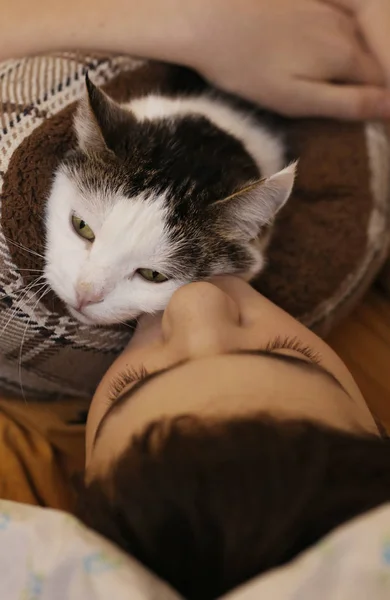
[209, 504]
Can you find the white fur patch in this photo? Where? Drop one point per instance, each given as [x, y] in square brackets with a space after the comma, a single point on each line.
[263, 145]
[129, 234]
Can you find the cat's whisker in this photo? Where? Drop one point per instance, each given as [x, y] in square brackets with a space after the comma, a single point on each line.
[33, 282]
[14, 310]
[27, 287]
[10, 269]
[125, 324]
[41, 217]
[22, 247]
[45, 291]
[19, 301]
[13, 313]
[24, 292]
[20, 361]
[136, 323]
[40, 285]
[32, 271]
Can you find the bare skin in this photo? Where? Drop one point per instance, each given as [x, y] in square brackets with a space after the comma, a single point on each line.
[306, 57]
[218, 351]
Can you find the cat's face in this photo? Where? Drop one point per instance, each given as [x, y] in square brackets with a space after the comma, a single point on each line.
[137, 211]
[99, 279]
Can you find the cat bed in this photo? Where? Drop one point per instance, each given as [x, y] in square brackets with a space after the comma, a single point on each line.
[330, 240]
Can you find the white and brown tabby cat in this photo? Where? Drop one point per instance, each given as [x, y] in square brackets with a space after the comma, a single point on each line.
[161, 191]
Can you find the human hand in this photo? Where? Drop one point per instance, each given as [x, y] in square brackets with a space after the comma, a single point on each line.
[297, 57]
[301, 58]
[373, 18]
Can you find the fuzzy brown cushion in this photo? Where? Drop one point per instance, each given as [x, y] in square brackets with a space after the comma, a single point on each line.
[330, 240]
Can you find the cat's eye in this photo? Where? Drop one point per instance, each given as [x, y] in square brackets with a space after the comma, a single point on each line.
[152, 276]
[82, 228]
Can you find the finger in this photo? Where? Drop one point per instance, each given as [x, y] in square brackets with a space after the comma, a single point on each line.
[376, 32]
[347, 102]
[352, 60]
[365, 69]
[373, 19]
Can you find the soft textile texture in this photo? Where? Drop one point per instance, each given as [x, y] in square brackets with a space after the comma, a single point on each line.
[330, 240]
[47, 555]
[41, 449]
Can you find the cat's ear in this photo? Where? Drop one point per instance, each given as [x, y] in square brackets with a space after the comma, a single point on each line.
[99, 121]
[250, 209]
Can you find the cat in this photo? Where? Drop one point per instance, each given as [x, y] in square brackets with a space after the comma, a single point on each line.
[160, 191]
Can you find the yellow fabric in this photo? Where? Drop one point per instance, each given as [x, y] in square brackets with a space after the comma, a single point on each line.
[40, 452]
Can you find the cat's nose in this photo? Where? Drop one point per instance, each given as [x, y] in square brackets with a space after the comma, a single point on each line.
[86, 295]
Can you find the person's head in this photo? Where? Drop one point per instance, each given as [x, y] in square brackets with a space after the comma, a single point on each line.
[225, 439]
